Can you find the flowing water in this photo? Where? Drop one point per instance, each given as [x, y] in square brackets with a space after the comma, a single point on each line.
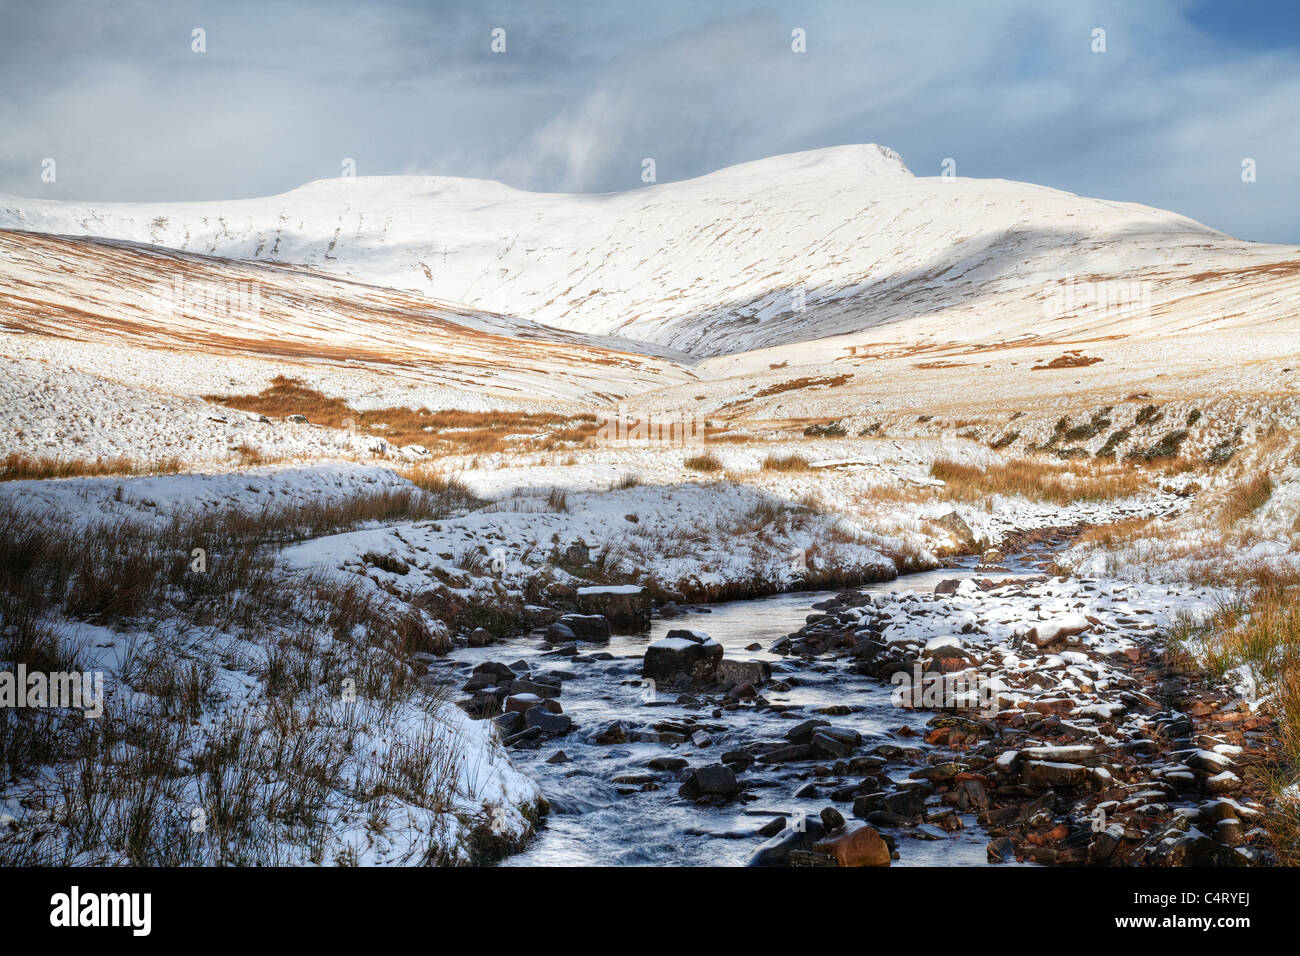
[594, 820]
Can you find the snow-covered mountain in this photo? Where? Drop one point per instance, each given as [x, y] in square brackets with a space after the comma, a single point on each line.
[804, 246]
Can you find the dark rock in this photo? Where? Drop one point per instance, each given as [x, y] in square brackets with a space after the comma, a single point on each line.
[906, 803]
[627, 607]
[1001, 850]
[712, 780]
[509, 723]
[534, 687]
[1045, 774]
[670, 764]
[788, 754]
[802, 733]
[498, 671]
[741, 757]
[524, 736]
[547, 722]
[579, 627]
[799, 834]
[615, 733]
[682, 652]
[830, 746]
[753, 673]
[832, 819]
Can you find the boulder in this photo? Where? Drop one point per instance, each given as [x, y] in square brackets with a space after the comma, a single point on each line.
[547, 722]
[802, 732]
[496, 670]
[798, 835]
[577, 553]
[858, 845]
[731, 672]
[539, 688]
[626, 607]
[667, 764]
[510, 723]
[579, 627]
[1049, 633]
[1220, 783]
[692, 653]
[1048, 774]
[715, 780]
[958, 528]
[1001, 850]
[831, 819]
[522, 703]
[904, 803]
[615, 733]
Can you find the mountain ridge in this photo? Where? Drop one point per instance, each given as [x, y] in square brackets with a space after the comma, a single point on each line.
[794, 248]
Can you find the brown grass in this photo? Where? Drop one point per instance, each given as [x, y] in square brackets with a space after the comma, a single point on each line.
[449, 430]
[450, 490]
[1246, 497]
[1036, 480]
[791, 462]
[708, 462]
[22, 467]
[1115, 535]
[1068, 360]
[829, 381]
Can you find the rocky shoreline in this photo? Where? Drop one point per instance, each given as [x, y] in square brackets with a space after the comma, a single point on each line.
[1094, 753]
[1057, 729]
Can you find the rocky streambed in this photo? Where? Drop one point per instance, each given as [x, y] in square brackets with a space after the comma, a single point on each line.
[966, 716]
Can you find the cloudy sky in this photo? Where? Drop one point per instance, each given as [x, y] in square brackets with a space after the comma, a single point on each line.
[1185, 91]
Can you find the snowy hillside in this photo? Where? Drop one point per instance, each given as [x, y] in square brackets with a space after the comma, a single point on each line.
[185, 324]
[797, 247]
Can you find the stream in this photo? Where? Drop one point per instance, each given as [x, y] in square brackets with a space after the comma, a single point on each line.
[596, 819]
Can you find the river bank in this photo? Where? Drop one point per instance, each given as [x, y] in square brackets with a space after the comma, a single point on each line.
[1081, 746]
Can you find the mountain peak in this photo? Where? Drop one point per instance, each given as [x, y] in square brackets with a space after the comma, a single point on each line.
[858, 161]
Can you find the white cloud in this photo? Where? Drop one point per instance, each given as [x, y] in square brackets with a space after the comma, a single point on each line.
[1009, 89]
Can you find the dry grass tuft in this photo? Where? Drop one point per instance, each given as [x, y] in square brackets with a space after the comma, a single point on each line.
[791, 462]
[449, 430]
[1246, 497]
[22, 467]
[708, 462]
[1038, 481]
[828, 381]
